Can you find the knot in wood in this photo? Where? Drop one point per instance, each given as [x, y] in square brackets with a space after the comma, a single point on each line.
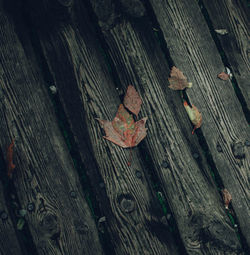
[218, 147]
[247, 143]
[102, 185]
[238, 150]
[127, 203]
[30, 207]
[105, 11]
[222, 236]
[49, 224]
[165, 164]
[81, 227]
[196, 155]
[138, 174]
[73, 194]
[3, 215]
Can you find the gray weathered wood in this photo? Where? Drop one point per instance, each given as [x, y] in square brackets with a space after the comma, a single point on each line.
[44, 175]
[87, 91]
[8, 240]
[186, 182]
[232, 16]
[224, 125]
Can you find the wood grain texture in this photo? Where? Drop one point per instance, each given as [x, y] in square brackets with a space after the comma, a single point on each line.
[87, 91]
[224, 125]
[232, 16]
[44, 175]
[9, 244]
[186, 182]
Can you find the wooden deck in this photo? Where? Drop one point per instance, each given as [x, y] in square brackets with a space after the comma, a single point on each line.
[72, 191]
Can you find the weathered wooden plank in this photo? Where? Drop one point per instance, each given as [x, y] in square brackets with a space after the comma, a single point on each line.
[8, 240]
[232, 16]
[44, 177]
[224, 125]
[87, 91]
[185, 180]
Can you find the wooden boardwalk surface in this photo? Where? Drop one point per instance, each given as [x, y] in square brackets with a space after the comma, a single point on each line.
[72, 191]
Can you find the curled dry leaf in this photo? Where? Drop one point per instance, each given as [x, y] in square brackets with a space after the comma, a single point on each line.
[100, 226]
[223, 76]
[53, 89]
[132, 101]
[177, 80]
[221, 31]
[228, 71]
[123, 130]
[194, 115]
[226, 197]
[9, 157]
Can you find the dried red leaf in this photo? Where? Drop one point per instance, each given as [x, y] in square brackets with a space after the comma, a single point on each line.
[194, 115]
[123, 130]
[132, 101]
[226, 197]
[223, 76]
[177, 80]
[9, 157]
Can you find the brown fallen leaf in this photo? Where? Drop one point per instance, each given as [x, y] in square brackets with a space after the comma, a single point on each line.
[9, 158]
[132, 101]
[226, 197]
[223, 76]
[123, 130]
[194, 115]
[177, 80]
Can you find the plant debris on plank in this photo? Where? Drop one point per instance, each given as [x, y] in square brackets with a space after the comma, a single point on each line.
[9, 157]
[194, 115]
[177, 80]
[123, 130]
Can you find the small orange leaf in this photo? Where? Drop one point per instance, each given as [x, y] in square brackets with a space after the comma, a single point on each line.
[227, 198]
[177, 80]
[194, 115]
[132, 101]
[9, 157]
[223, 76]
